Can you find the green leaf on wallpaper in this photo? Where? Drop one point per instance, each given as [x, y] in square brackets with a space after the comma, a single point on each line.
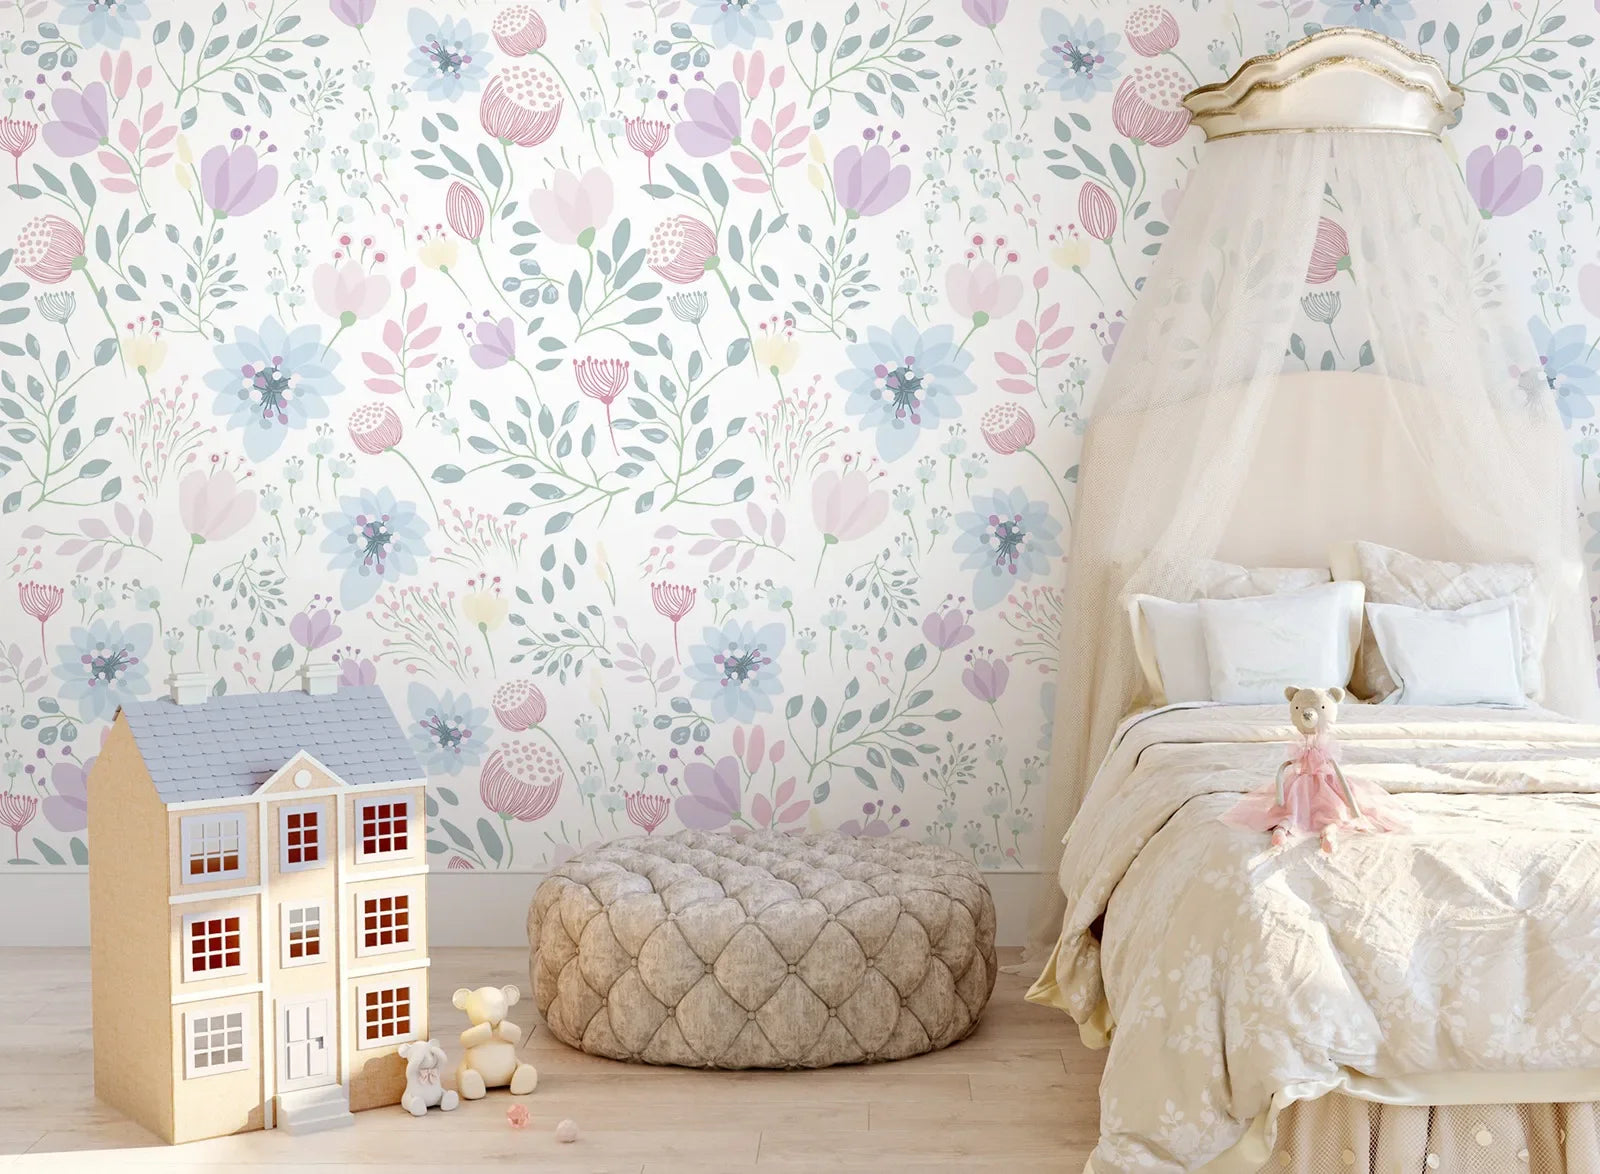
[283, 658]
[715, 185]
[1508, 82]
[25, 190]
[1550, 25]
[492, 171]
[460, 837]
[49, 854]
[1498, 102]
[819, 712]
[865, 103]
[866, 777]
[447, 795]
[1452, 37]
[1123, 165]
[448, 474]
[159, 34]
[185, 37]
[85, 189]
[737, 350]
[12, 503]
[820, 118]
[1534, 82]
[215, 46]
[79, 850]
[793, 706]
[726, 468]
[916, 658]
[1089, 160]
[189, 117]
[50, 181]
[558, 522]
[1425, 32]
[449, 122]
[104, 351]
[1365, 357]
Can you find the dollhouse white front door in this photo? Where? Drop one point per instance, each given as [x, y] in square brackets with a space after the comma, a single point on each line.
[303, 1034]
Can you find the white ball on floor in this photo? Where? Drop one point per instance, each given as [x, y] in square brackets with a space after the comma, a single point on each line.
[567, 1131]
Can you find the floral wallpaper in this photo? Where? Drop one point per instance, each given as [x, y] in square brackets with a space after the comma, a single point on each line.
[673, 405]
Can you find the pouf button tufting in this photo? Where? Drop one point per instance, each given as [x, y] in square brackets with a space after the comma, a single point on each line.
[781, 886]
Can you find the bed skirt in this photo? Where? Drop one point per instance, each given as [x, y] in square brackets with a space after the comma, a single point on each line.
[1341, 1135]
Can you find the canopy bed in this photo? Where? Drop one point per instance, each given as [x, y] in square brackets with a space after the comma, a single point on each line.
[1324, 374]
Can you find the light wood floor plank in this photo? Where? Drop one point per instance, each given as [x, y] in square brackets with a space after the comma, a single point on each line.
[1020, 1096]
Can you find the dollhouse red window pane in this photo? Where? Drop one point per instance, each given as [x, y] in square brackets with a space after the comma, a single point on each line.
[212, 847]
[214, 944]
[302, 837]
[384, 827]
[386, 1013]
[385, 921]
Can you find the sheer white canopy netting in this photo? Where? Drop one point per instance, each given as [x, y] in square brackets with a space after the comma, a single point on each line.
[1358, 257]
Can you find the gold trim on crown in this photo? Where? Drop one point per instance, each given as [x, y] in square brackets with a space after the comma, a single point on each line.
[1334, 80]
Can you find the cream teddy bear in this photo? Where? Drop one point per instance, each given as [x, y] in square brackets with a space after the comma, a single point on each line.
[424, 1086]
[491, 1044]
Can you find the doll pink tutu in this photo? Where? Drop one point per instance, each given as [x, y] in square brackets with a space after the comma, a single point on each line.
[1313, 799]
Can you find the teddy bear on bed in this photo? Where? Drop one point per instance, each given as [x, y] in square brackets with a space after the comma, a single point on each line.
[1311, 795]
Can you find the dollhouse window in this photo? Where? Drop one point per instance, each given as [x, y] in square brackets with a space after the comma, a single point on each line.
[383, 827]
[302, 934]
[300, 838]
[213, 847]
[216, 1042]
[385, 923]
[213, 945]
[386, 1014]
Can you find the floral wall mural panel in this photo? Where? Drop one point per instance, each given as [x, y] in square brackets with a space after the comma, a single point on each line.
[673, 405]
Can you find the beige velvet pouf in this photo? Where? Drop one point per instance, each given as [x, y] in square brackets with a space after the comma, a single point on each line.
[766, 950]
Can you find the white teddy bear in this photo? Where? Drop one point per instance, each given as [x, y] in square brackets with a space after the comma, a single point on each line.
[490, 1059]
[425, 1088]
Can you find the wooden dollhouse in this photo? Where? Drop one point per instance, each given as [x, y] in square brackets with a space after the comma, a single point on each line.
[258, 907]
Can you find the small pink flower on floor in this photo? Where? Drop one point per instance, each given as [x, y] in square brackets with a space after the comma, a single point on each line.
[517, 1116]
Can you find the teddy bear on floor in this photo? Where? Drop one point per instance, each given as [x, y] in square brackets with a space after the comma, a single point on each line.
[491, 1044]
[424, 1086]
[1310, 794]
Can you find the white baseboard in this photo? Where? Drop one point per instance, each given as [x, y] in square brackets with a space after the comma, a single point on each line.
[51, 908]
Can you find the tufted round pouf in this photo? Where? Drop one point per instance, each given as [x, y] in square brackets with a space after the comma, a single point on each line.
[762, 951]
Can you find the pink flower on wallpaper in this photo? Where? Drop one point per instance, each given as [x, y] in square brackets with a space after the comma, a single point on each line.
[521, 780]
[1500, 180]
[982, 292]
[463, 208]
[213, 505]
[1151, 30]
[16, 136]
[315, 627]
[82, 120]
[986, 675]
[1330, 252]
[646, 811]
[49, 248]
[869, 182]
[518, 30]
[711, 122]
[674, 601]
[68, 809]
[518, 705]
[1097, 212]
[572, 207]
[521, 105]
[493, 342]
[41, 601]
[604, 380]
[356, 670]
[681, 249]
[375, 428]
[713, 794]
[948, 626]
[846, 506]
[234, 181]
[647, 136]
[1007, 428]
[348, 292]
[16, 813]
[1148, 106]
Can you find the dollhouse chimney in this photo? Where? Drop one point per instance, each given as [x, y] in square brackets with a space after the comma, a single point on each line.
[320, 680]
[189, 688]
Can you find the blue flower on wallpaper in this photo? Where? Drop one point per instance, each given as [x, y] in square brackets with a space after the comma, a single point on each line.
[447, 729]
[1568, 368]
[376, 540]
[1388, 17]
[1007, 538]
[271, 380]
[103, 665]
[905, 381]
[447, 57]
[104, 22]
[737, 22]
[735, 668]
[1080, 57]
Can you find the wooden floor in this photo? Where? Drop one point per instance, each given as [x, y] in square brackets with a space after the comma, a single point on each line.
[1018, 1097]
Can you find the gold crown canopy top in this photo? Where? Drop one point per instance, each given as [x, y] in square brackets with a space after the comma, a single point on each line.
[1336, 80]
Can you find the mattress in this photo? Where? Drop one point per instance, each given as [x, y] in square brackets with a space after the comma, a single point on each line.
[1449, 964]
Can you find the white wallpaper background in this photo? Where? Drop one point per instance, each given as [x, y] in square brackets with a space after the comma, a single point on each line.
[674, 405]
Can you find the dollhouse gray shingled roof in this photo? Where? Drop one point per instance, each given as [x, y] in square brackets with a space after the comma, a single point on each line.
[228, 746]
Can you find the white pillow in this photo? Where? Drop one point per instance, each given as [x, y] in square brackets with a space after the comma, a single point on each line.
[1257, 647]
[1166, 633]
[1472, 655]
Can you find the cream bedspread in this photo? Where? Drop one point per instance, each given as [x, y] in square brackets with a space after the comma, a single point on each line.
[1232, 981]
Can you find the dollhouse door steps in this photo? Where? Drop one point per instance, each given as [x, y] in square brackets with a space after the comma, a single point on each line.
[312, 1110]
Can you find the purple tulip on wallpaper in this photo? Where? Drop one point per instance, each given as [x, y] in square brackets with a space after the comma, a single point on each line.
[714, 795]
[988, 13]
[355, 13]
[712, 125]
[870, 182]
[81, 122]
[494, 343]
[233, 180]
[1498, 178]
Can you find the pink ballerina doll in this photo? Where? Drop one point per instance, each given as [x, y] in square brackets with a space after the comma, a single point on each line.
[1310, 795]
